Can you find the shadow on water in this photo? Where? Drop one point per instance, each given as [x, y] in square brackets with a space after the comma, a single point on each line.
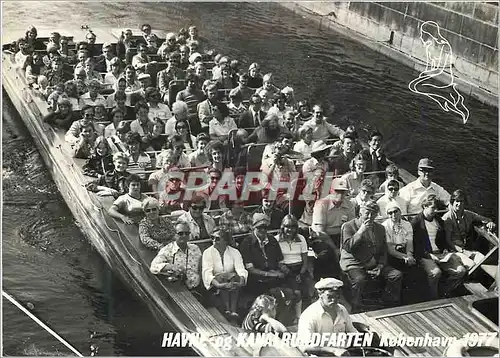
[49, 266]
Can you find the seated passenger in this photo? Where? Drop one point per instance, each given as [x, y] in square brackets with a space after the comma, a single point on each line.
[414, 192]
[321, 128]
[236, 107]
[71, 91]
[73, 134]
[180, 160]
[91, 45]
[184, 62]
[81, 57]
[266, 97]
[168, 46]
[246, 92]
[355, 177]
[189, 140]
[212, 191]
[268, 85]
[192, 96]
[304, 145]
[155, 231]
[194, 36]
[31, 36]
[223, 272]
[84, 146]
[221, 124]
[391, 173]
[125, 44]
[101, 159]
[458, 225]
[55, 73]
[207, 107]
[158, 178]
[180, 111]
[117, 142]
[157, 141]
[277, 167]
[92, 97]
[137, 156]
[92, 74]
[267, 132]
[304, 112]
[57, 93]
[262, 257]
[179, 260]
[112, 183]
[261, 317]
[289, 125]
[145, 81]
[315, 168]
[254, 76]
[254, 116]
[63, 117]
[153, 99]
[132, 85]
[103, 61]
[432, 251]
[68, 55]
[128, 207]
[34, 68]
[236, 221]
[374, 157]
[116, 117]
[364, 255]
[270, 208]
[225, 81]
[279, 106]
[297, 273]
[365, 193]
[223, 62]
[399, 234]
[23, 55]
[391, 196]
[171, 192]
[114, 74]
[289, 98]
[328, 216]
[198, 157]
[149, 38]
[201, 225]
[352, 133]
[325, 316]
[200, 70]
[141, 125]
[215, 150]
[342, 163]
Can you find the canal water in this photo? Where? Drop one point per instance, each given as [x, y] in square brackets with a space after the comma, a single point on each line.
[47, 261]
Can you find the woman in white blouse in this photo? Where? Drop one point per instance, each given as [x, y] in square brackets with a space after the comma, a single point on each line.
[223, 272]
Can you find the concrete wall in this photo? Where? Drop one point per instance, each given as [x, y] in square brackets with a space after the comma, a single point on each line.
[470, 28]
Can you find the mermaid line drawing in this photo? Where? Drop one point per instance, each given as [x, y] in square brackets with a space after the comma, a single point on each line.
[439, 55]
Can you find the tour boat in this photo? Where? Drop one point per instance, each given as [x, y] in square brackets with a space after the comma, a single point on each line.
[172, 304]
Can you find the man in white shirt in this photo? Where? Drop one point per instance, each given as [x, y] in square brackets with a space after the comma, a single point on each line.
[92, 97]
[414, 192]
[321, 128]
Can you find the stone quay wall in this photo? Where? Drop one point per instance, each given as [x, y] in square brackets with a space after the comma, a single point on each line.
[393, 28]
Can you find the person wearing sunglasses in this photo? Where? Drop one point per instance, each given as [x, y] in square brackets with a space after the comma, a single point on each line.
[179, 260]
[391, 173]
[201, 224]
[321, 128]
[391, 196]
[223, 273]
[128, 207]
[149, 38]
[413, 193]
[155, 231]
[170, 45]
[399, 235]
[182, 129]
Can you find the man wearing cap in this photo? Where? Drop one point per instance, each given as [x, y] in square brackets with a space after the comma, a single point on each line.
[179, 259]
[328, 215]
[262, 257]
[326, 315]
[364, 255]
[414, 192]
[399, 234]
[366, 191]
[321, 128]
[316, 167]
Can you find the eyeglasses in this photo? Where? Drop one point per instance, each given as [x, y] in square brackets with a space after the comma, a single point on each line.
[152, 210]
[392, 212]
[183, 233]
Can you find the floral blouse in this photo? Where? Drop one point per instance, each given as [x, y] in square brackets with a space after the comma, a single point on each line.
[156, 235]
[172, 257]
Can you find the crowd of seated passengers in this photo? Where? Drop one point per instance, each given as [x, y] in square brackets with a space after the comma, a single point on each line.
[436, 247]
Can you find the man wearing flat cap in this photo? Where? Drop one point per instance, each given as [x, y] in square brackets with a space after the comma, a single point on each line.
[414, 192]
[262, 257]
[326, 315]
[364, 255]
